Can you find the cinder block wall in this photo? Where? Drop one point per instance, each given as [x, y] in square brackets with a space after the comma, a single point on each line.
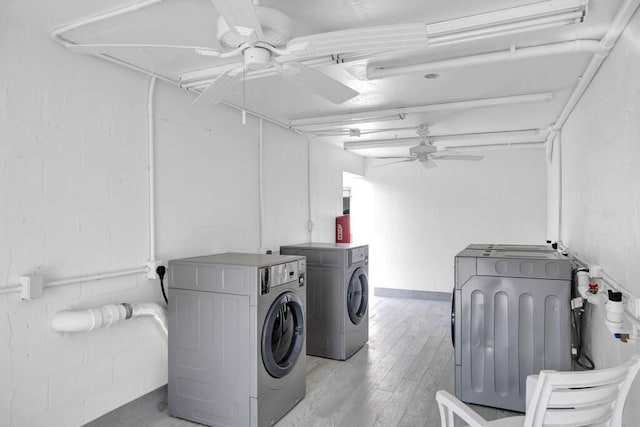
[74, 201]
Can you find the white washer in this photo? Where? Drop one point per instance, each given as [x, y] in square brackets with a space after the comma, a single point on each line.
[337, 297]
[237, 338]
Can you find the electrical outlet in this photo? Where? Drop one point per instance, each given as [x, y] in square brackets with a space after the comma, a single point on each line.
[151, 269]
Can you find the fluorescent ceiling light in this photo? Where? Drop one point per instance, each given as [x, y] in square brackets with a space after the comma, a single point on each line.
[483, 139]
[315, 123]
[508, 21]
[520, 19]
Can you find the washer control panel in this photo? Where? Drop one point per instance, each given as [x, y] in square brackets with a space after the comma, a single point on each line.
[357, 255]
[279, 274]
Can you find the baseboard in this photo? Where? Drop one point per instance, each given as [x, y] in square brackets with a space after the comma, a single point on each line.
[408, 293]
[127, 415]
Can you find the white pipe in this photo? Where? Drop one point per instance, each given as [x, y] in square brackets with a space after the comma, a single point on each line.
[560, 185]
[10, 289]
[576, 46]
[89, 319]
[514, 137]
[400, 113]
[608, 41]
[310, 222]
[107, 315]
[620, 21]
[152, 171]
[94, 277]
[57, 35]
[81, 279]
[497, 146]
[260, 185]
[153, 310]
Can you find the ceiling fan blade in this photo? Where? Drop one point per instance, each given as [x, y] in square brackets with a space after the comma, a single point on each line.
[429, 164]
[241, 16]
[367, 39]
[458, 157]
[104, 47]
[320, 83]
[393, 163]
[219, 87]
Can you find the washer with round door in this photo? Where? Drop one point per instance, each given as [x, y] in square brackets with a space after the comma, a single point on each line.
[237, 338]
[337, 297]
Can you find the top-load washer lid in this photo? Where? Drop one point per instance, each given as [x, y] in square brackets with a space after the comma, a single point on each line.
[283, 334]
[358, 295]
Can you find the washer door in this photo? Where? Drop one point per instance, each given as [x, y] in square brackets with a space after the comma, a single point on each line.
[283, 334]
[358, 295]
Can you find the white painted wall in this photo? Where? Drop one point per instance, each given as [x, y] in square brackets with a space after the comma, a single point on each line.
[601, 189]
[328, 164]
[422, 218]
[73, 201]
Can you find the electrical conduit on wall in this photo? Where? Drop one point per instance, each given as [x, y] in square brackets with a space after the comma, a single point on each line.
[152, 172]
[608, 41]
[152, 216]
[310, 222]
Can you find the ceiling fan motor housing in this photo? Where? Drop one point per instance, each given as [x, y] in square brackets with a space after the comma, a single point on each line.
[276, 26]
[422, 149]
[256, 58]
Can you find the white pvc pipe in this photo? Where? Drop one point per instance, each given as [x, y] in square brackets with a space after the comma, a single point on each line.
[80, 279]
[396, 113]
[107, 315]
[310, 221]
[10, 289]
[89, 319]
[575, 46]
[152, 171]
[620, 21]
[94, 277]
[153, 310]
[260, 185]
[57, 35]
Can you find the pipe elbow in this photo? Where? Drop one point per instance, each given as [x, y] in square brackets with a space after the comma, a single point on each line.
[153, 310]
[106, 315]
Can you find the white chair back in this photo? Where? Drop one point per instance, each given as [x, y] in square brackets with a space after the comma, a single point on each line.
[586, 398]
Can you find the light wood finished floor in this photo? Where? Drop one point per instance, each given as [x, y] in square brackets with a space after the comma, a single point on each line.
[390, 382]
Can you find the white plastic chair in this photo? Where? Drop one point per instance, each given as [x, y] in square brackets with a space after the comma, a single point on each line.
[586, 398]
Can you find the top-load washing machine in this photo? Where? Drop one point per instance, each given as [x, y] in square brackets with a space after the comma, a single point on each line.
[511, 318]
[236, 338]
[337, 297]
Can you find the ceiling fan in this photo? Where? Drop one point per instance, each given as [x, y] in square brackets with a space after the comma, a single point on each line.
[426, 153]
[262, 38]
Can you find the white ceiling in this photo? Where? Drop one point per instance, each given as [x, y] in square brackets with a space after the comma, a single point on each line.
[193, 22]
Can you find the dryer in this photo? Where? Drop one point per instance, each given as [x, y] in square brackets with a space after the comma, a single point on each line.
[237, 338]
[337, 297]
